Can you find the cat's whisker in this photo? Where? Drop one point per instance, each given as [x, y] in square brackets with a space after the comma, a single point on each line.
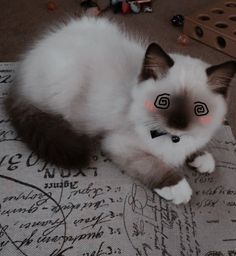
[153, 124]
[150, 123]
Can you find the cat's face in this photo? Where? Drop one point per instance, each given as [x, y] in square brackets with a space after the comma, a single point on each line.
[184, 111]
[181, 95]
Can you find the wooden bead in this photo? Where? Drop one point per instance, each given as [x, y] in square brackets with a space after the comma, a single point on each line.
[93, 11]
[125, 7]
[51, 6]
[183, 39]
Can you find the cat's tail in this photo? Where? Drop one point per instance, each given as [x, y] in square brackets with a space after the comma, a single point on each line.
[48, 135]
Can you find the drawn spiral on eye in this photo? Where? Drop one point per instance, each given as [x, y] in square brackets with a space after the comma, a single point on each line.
[200, 108]
[162, 101]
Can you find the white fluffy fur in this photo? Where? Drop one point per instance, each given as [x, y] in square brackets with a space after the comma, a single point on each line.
[85, 57]
[204, 163]
[88, 72]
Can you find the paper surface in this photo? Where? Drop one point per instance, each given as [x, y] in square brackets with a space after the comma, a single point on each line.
[46, 211]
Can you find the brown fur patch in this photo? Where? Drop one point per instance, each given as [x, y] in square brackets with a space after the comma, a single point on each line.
[49, 135]
[148, 169]
[171, 178]
[179, 115]
[156, 63]
[219, 76]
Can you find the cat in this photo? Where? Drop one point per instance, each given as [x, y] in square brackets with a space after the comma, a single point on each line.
[151, 111]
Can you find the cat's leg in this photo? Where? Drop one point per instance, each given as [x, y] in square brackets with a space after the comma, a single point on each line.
[201, 161]
[167, 181]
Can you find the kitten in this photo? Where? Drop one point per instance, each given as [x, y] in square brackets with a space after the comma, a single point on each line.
[151, 110]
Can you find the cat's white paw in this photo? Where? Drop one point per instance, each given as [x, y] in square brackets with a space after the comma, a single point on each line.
[178, 194]
[204, 163]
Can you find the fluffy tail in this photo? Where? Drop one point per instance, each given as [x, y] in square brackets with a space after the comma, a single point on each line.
[50, 136]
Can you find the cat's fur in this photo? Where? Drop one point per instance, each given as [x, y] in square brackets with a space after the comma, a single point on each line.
[88, 79]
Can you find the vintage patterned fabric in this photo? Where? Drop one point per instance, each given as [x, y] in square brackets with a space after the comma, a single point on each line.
[46, 211]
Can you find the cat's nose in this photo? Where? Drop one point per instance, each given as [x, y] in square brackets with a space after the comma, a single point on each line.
[178, 120]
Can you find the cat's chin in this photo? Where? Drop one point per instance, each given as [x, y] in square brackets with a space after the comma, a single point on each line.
[175, 132]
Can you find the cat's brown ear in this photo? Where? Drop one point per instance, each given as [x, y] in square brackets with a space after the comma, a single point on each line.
[220, 76]
[156, 63]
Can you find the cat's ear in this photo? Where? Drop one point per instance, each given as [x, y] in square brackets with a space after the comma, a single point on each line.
[220, 76]
[156, 63]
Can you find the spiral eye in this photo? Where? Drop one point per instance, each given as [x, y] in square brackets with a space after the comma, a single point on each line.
[200, 108]
[162, 101]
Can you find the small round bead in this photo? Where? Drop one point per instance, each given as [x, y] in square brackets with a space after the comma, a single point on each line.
[177, 20]
[135, 7]
[51, 6]
[183, 39]
[175, 139]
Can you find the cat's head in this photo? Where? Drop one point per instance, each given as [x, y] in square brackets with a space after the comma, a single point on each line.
[181, 95]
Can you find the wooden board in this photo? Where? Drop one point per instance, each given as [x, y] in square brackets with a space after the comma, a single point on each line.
[215, 26]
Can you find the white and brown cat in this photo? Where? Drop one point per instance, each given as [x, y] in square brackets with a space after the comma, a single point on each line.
[152, 111]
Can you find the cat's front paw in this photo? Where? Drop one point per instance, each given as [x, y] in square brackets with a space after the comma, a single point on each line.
[203, 162]
[178, 194]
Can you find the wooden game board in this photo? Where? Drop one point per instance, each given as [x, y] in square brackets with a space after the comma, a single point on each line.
[215, 26]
